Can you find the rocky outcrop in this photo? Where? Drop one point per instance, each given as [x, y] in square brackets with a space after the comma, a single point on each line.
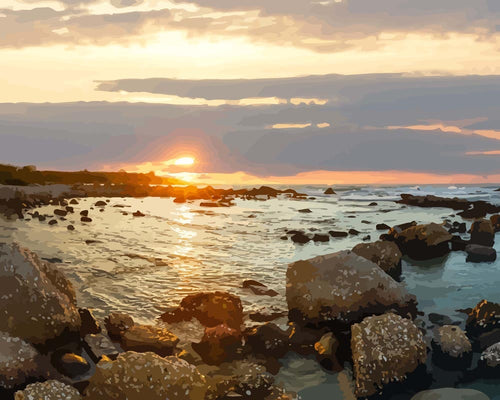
[484, 318]
[268, 340]
[385, 349]
[452, 348]
[383, 253]
[342, 287]
[218, 344]
[422, 242]
[489, 363]
[48, 390]
[482, 233]
[329, 191]
[450, 394]
[477, 253]
[140, 376]
[37, 302]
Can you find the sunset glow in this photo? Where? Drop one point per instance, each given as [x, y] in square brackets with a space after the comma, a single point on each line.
[184, 161]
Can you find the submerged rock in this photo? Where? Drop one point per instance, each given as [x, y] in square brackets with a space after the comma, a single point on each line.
[138, 214]
[342, 287]
[318, 237]
[385, 254]
[452, 348]
[482, 233]
[422, 242]
[259, 288]
[48, 390]
[37, 302]
[100, 203]
[300, 238]
[385, 349]
[141, 376]
[477, 253]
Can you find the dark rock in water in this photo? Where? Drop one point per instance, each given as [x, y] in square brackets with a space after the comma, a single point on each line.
[53, 260]
[268, 340]
[37, 302]
[73, 201]
[100, 203]
[284, 237]
[489, 363]
[70, 364]
[326, 349]
[321, 238]
[218, 344]
[85, 219]
[329, 191]
[61, 213]
[209, 204]
[70, 228]
[89, 322]
[382, 227]
[300, 238]
[458, 244]
[338, 234]
[259, 288]
[450, 394]
[48, 390]
[41, 218]
[251, 386]
[180, 199]
[92, 241]
[146, 376]
[422, 242]
[452, 348]
[117, 323]
[400, 349]
[366, 238]
[495, 221]
[364, 221]
[305, 210]
[342, 287]
[84, 213]
[210, 308]
[303, 339]
[385, 254]
[439, 319]
[477, 253]
[458, 227]
[484, 318]
[488, 339]
[266, 315]
[372, 204]
[99, 346]
[354, 232]
[143, 338]
[52, 222]
[101, 210]
[294, 232]
[19, 362]
[138, 214]
[482, 233]
[250, 282]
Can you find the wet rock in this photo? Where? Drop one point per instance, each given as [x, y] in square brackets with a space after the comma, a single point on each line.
[452, 348]
[19, 362]
[326, 349]
[70, 228]
[484, 318]
[305, 211]
[100, 203]
[477, 253]
[92, 241]
[294, 232]
[70, 364]
[268, 340]
[143, 338]
[99, 346]
[209, 204]
[382, 227]
[48, 390]
[259, 288]
[458, 244]
[138, 214]
[321, 238]
[329, 191]
[450, 394]
[246, 387]
[85, 219]
[218, 344]
[422, 242]
[372, 204]
[344, 287]
[439, 319]
[458, 227]
[488, 339]
[210, 308]
[89, 322]
[338, 234]
[489, 363]
[52, 222]
[41, 218]
[385, 254]
[73, 201]
[37, 302]
[84, 213]
[354, 232]
[69, 209]
[482, 233]
[266, 315]
[180, 199]
[141, 376]
[61, 213]
[385, 349]
[495, 222]
[117, 323]
[303, 339]
[300, 238]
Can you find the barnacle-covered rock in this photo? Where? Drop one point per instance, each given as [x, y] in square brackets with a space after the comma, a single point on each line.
[49, 390]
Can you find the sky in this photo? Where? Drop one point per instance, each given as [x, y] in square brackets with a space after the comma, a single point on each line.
[271, 91]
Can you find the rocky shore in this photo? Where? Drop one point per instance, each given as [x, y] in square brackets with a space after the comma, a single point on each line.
[348, 310]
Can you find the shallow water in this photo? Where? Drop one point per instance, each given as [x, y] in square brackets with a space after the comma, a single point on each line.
[201, 249]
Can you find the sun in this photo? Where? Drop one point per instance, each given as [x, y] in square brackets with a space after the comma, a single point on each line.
[184, 161]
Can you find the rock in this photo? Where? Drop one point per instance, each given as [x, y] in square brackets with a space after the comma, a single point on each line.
[353, 232]
[266, 315]
[209, 204]
[73, 201]
[250, 282]
[210, 308]
[143, 338]
[385, 254]
[250, 386]
[99, 346]
[452, 348]
[321, 238]
[385, 349]
[52, 222]
[303, 339]
[338, 234]
[70, 364]
[259, 288]
[477, 253]
[100, 203]
[495, 222]
[70, 228]
[458, 227]
[117, 323]
[422, 242]
[268, 340]
[19, 362]
[344, 287]
[482, 233]
[372, 204]
[41, 218]
[364, 221]
[218, 344]
[489, 363]
[326, 349]
[85, 219]
[69, 209]
[329, 191]
[488, 339]
[84, 213]
[92, 241]
[89, 323]
[305, 211]
[48, 390]
[450, 394]
[294, 232]
[484, 318]
[458, 244]
[382, 227]
[61, 213]
[138, 214]
[37, 302]
[300, 238]
[141, 376]
[439, 319]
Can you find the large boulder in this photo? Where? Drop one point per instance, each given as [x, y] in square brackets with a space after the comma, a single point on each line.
[482, 233]
[477, 253]
[495, 222]
[452, 348]
[268, 340]
[342, 287]
[19, 362]
[142, 338]
[38, 303]
[489, 362]
[383, 253]
[450, 394]
[218, 344]
[385, 349]
[48, 390]
[140, 376]
[422, 242]
[484, 318]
